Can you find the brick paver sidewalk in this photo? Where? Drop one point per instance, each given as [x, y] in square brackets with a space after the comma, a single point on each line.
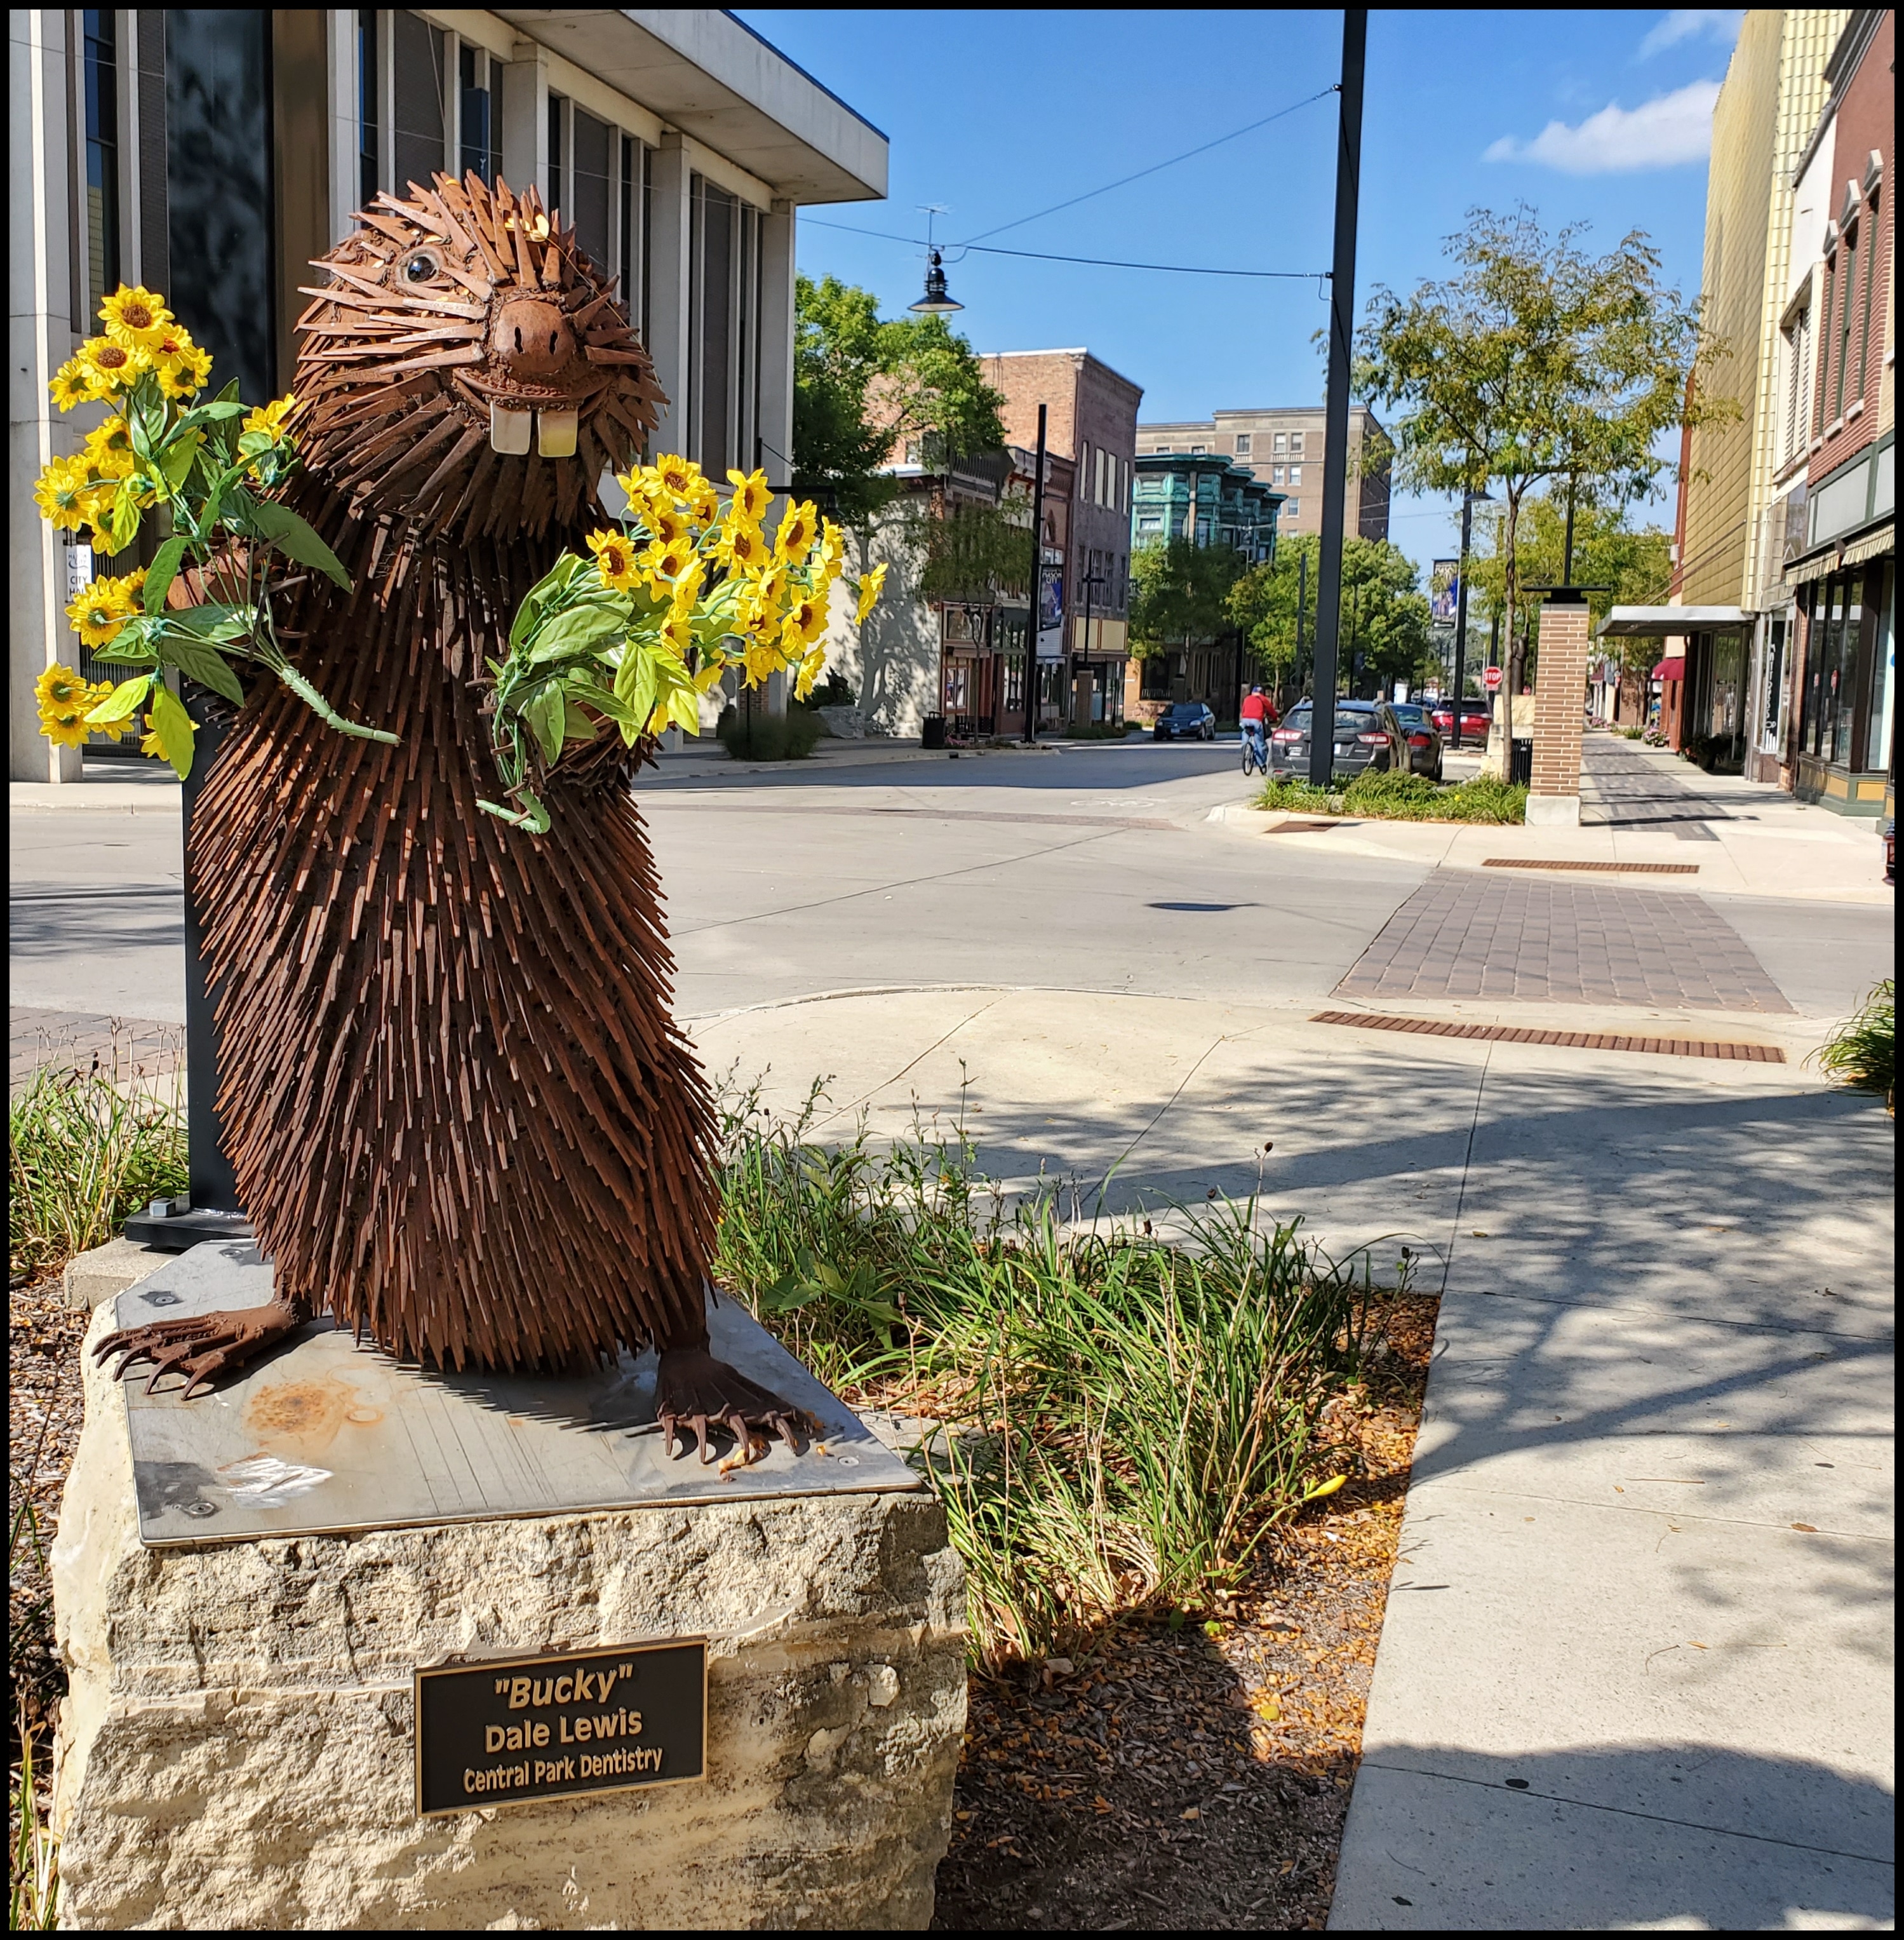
[123, 1047]
[1463, 935]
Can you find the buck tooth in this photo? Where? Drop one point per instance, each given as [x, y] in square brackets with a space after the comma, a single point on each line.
[509, 431]
[555, 434]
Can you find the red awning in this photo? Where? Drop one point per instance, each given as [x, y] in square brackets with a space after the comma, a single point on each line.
[1672, 670]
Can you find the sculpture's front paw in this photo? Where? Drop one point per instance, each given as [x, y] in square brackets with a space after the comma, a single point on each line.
[695, 1391]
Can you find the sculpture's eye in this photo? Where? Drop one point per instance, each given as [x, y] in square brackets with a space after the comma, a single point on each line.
[422, 265]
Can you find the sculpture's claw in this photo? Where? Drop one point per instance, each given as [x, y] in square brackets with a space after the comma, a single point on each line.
[694, 1390]
[202, 1346]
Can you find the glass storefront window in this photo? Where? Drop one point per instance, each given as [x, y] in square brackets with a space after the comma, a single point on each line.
[101, 158]
[1772, 712]
[1883, 595]
[1844, 704]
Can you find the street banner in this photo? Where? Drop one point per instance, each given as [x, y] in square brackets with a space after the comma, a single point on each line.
[1444, 585]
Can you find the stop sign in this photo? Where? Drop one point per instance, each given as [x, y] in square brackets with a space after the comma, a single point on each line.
[1491, 679]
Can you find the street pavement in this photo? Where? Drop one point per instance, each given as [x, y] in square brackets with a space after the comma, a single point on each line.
[1635, 1670]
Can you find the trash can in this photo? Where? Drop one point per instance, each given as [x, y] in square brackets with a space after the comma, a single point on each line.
[1520, 763]
[933, 734]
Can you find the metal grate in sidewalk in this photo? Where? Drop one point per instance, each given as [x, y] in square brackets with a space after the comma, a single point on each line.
[1594, 868]
[1662, 1047]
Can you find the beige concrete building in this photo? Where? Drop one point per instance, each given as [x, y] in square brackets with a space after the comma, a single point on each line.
[1745, 490]
[1283, 448]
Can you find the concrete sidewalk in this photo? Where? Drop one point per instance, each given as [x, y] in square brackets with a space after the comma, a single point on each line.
[1636, 1667]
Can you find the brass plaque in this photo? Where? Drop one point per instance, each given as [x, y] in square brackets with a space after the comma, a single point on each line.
[512, 1730]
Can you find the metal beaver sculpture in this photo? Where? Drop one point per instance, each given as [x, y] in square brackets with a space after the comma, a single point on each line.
[461, 1116]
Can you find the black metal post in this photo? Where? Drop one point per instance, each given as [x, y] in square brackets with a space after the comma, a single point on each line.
[1037, 591]
[1566, 558]
[1334, 450]
[1461, 614]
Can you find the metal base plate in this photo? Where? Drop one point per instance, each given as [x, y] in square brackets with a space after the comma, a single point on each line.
[322, 1437]
[179, 1232]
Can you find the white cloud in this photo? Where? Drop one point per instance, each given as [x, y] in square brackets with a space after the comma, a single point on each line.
[1691, 23]
[1658, 134]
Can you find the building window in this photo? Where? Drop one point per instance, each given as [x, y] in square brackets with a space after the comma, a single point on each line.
[478, 134]
[419, 98]
[1296, 474]
[1797, 371]
[1196, 451]
[590, 148]
[1772, 714]
[558, 146]
[1870, 278]
[1124, 500]
[1296, 443]
[1149, 525]
[1847, 302]
[1824, 347]
[1282, 441]
[1242, 444]
[632, 257]
[369, 120]
[102, 160]
[1292, 508]
[723, 377]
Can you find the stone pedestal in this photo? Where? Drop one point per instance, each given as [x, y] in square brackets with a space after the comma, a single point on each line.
[237, 1748]
[1559, 712]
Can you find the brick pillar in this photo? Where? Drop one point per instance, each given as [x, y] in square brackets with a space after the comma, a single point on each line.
[1559, 712]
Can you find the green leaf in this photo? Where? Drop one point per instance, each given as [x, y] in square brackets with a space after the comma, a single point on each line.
[173, 726]
[220, 407]
[577, 724]
[177, 461]
[545, 715]
[199, 660]
[285, 529]
[123, 522]
[163, 571]
[125, 700]
[581, 629]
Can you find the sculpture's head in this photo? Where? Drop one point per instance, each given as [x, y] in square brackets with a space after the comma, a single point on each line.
[467, 368]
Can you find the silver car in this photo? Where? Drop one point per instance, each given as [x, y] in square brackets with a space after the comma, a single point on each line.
[1363, 732]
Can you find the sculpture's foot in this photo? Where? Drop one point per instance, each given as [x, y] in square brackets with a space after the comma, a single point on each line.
[695, 1391]
[203, 1345]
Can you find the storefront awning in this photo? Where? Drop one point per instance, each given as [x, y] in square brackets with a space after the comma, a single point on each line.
[1670, 670]
[1658, 623]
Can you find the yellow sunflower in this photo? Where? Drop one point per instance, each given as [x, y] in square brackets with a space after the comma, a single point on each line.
[741, 548]
[751, 496]
[109, 450]
[113, 367]
[798, 530]
[687, 589]
[614, 559]
[833, 549]
[806, 621]
[149, 742]
[270, 418]
[64, 494]
[760, 661]
[664, 523]
[71, 384]
[96, 615]
[869, 588]
[677, 476]
[135, 318]
[809, 672]
[181, 366]
[666, 559]
[60, 688]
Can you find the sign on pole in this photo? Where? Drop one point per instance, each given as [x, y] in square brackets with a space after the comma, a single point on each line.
[1491, 680]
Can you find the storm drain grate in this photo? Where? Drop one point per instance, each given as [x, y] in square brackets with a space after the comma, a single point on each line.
[1662, 1047]
[1301, 827]
[1596, 868]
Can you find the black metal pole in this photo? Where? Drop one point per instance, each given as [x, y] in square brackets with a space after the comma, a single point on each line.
[1566, 553]
[1335, 450]
[214, 1185]
[1461, 615]
[1037, 591]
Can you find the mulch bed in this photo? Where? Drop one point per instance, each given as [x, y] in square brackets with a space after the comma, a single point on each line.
[1186, 1777]
[1197, 1777]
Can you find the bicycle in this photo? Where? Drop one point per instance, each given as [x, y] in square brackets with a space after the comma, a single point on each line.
[1256, 752]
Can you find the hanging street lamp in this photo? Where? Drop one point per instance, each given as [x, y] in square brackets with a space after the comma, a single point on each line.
[935, 302]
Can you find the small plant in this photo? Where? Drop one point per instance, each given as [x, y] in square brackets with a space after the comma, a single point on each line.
[84, 1149]
[1285, 791]
[34, 1901]
[1385, 797]
[758, 736]
[1862, 1052]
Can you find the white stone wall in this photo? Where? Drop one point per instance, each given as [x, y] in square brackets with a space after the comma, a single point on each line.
[893, 662]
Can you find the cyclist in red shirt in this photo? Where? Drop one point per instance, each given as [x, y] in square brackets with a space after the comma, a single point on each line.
[1259, 716]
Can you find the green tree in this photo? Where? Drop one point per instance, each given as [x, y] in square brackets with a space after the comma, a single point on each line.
[1384, 613]
[865, 386]
[1180, 593]
[1537, 361]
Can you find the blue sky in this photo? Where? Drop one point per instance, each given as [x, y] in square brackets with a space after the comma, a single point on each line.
[1595, 116]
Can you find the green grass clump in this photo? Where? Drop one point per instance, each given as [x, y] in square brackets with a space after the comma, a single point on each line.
[1125, 1419]
[1382, 796]
[1863, 1051]
[82, 1154]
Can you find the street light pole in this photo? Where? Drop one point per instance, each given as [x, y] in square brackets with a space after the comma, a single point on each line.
[1301, 614]
[1335, 458]
[1037, 592]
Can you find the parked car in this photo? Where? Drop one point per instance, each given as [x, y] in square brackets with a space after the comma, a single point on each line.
[1185, 721]
[1362, 728]
[1475, 720]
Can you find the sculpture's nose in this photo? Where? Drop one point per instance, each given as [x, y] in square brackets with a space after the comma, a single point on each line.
[531, 339]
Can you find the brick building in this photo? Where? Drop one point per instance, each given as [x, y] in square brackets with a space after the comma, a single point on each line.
[1284, 448]
[1091, 422]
